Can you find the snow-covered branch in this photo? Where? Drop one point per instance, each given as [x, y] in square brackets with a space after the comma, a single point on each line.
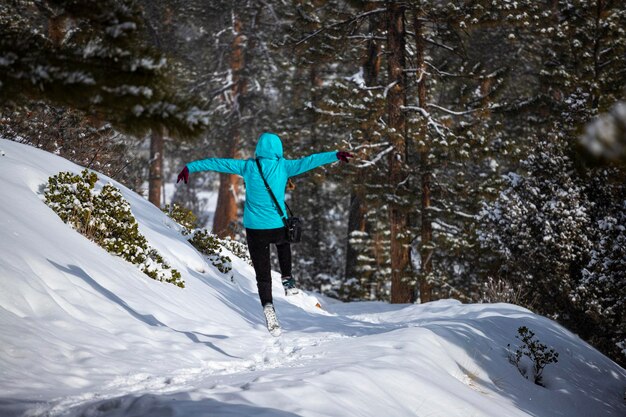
[417, 109]
[317, 110]
[373, 145]
[452, 112]
[389, 87]
[376, 159]
[367, 37]
[439, 128]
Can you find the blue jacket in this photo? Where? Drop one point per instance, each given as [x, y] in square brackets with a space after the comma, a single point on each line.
[260, 212]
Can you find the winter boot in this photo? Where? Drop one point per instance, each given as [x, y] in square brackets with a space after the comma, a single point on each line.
[289, 284]
[271, 319]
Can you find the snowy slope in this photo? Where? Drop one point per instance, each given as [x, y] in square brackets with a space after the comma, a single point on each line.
[83, 333]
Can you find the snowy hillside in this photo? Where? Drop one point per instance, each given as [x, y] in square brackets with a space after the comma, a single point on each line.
[83, 333]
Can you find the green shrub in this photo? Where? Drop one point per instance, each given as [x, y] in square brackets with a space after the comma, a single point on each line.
[106, 218]
[538, 353]
[182, 216]
[238, 249]
[70, 196]
[210, 246]
[205, 242]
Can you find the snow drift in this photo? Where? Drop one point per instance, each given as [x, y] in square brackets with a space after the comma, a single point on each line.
[83, 333]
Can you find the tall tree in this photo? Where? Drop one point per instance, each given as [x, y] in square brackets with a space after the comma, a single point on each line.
[426, 234]
[401, 291]
[358, 227]
[226, 209]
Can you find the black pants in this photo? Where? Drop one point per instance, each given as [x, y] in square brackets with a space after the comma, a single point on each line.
[259, 246]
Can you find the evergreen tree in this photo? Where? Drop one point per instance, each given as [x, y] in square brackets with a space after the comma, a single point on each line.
[429, 113]
[540, 225]
[92, 56]
[602, 288]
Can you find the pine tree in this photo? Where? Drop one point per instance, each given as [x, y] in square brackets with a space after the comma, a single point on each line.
[445, 92]
[575, 70]
[92, 56]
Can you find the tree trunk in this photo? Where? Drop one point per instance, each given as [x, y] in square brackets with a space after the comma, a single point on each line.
[400, 289]
[356, 223]
[315, 187]
[225, 217]
[155, 180]
[373, 60]
[358, 207]
[226, 210]
[58, 27]
[426, 251]
[426, 247]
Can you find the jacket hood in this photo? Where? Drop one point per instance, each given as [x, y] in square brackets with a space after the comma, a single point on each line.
[269, 146]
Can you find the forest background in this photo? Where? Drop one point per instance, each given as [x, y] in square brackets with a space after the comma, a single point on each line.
[489, 136]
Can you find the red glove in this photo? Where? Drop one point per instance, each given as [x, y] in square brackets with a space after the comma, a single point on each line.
[184, 175]
[343, 156]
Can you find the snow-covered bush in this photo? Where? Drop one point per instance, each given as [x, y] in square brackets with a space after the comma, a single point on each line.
[540, 228]
[558, 230]
[237, 248]
[105, 217]
[602, 288]
[183, 216]
[70, 196]
[118, 233]
[210, 246]
[538, 354]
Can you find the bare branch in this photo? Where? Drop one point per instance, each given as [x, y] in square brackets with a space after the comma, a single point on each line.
[344, 22]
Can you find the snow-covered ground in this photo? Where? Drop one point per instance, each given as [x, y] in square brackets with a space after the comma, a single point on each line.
[83, 333]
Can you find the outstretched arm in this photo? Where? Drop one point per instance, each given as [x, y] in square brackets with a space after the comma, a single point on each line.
[223, 165]
[298, 166]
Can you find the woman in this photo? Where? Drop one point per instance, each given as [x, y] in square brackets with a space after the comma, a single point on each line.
[261, 217]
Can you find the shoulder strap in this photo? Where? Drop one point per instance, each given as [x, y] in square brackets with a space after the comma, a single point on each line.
[269, 190]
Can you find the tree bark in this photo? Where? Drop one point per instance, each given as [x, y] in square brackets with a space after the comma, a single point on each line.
[155, 179]
[315, 187]
[426, 232]
[358, 207]
[356, 223]
[225, 217]
[58, 27]
[396, 41]
[373, 60]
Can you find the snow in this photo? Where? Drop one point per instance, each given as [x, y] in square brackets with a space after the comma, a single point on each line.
[83, 333]
[358, 78]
